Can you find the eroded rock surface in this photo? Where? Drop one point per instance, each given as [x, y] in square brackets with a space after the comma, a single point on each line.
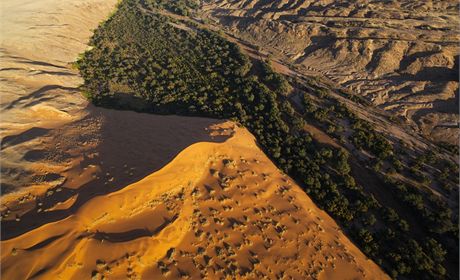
[401, 55]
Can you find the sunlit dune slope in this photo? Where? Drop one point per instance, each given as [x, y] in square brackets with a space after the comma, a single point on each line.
[216, 210]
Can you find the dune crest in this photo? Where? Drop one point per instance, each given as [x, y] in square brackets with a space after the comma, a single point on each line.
[196, 217]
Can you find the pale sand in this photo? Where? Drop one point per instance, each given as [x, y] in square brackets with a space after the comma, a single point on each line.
[217, 209]
[39, 41]
[39, 89]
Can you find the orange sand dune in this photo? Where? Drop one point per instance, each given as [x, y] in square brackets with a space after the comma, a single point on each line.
[100, 154]
[216, 210]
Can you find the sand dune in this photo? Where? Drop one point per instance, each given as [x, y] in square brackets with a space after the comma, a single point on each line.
[40, 39]
[216, 210]
[99, 154]
[39, 89]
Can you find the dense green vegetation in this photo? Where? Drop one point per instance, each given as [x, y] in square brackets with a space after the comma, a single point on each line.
[273, 80]
[145, 61]
[365, 138]
[180, 7]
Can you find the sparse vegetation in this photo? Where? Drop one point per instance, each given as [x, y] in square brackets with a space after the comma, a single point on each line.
[180, 7]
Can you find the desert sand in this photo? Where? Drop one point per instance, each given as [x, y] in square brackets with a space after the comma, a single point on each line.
[39, 41]
[39, 88]
[217, 210]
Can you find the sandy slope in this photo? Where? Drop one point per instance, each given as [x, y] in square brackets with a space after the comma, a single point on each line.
[216, 210]
[99, 154]
[39, 41]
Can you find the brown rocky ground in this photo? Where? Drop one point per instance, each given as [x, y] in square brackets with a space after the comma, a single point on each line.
[401, 55]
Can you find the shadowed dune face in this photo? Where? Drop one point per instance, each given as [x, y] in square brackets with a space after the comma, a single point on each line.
[195, 217]
[96, 155]
[401, 55]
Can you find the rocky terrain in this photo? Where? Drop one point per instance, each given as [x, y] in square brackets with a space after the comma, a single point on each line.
[400, 55]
